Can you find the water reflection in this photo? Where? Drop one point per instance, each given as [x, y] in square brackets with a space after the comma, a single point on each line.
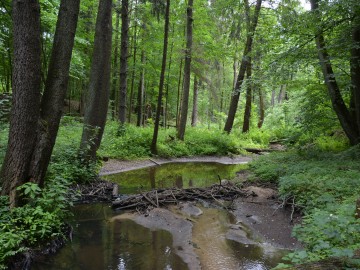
[181, 175]
[122, 244]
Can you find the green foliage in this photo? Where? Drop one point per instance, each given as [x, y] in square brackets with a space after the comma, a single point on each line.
[134, 142]
[40, 218]
[65, 161]
[325, 185]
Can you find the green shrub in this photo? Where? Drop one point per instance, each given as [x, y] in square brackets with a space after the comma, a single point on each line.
[325, 185]
[41, 218]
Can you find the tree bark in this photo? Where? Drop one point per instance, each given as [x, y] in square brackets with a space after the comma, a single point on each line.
[26, 97]
[99, 86]
[243, 66]
[141, 90]
[187, 72]
[355, 70]
[248, 105]
[123, 59]
[56, 85]
[261, 108]
[133, 73]
[194, 115]
[115, 65]
[347, 122]
[162, 78]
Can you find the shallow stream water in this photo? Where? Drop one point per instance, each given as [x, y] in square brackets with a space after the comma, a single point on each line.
[101, 242]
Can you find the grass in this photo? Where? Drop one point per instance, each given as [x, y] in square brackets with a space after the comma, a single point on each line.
[326, 186]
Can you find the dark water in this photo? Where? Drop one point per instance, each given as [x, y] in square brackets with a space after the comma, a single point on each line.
[99, 243]
[181, 175]
[120, 244]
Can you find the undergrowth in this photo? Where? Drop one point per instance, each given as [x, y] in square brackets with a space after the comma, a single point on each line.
[325, 185]
[130, 142]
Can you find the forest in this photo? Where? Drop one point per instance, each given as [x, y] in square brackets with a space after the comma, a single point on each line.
[84, 82]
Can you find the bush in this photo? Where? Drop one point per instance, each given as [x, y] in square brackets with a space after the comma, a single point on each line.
[40, 218]
[325, 185]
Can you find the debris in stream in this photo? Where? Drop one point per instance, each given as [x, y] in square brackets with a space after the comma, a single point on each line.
[95, 191]
[160, 197]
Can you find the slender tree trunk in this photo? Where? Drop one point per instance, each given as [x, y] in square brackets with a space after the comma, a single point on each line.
[162, 78]
[167, 85]
[141, 90]
[187, 72]
[133, 74]
[26, 97]
[115, 64]
[347, 122]
[355, 70]
[55, 89]
[178, 95]
[243, 66]
[194, 115]
[248, 105]
[261, 108]
[123, 59]
[99, 86]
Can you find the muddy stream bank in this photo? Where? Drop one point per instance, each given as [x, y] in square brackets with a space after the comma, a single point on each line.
[254, 234]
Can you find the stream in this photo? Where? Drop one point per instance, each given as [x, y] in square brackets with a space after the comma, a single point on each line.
[103, 241]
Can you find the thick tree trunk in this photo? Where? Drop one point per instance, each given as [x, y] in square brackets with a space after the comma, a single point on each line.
[141, 90]
[162, 78]
[187, 72]
[99, 86]
[347, 122]
[248, 105]
[194, 115]
[26, 97]
[243, 66]
[56, 85]
[115, 64]
[123, 59]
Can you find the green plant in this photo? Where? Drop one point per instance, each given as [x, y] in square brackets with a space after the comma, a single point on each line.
[40, 219]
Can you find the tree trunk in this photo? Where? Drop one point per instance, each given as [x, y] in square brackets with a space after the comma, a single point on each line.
[55, 89]
[347, 122]
[97, 101]
[162, 78]
[178, 95]
[123, 59]
[282, 94]
[247, 114]
[133, 74]
[141, 90]
[26, 97]
[187, 72]
[355, 70]
[243, 66]
[261, 108]
[194, 115]
[115, 65]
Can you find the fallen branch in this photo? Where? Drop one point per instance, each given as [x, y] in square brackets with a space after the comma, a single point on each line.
[155, 198]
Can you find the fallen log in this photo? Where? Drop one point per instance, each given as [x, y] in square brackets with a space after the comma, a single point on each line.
[161, 197]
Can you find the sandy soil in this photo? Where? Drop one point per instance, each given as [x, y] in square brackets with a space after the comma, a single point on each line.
[113, 166]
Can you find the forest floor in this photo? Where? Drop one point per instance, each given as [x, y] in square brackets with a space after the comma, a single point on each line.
[259, 219]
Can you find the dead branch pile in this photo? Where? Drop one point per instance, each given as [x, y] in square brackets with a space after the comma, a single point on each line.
[161, 197]
[98, 190]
